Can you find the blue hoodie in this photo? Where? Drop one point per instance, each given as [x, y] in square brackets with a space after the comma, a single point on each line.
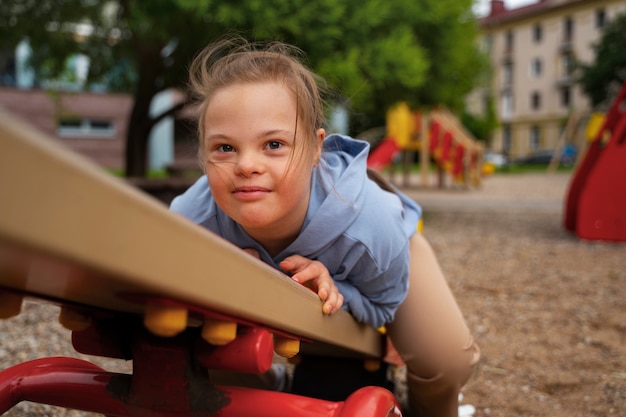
[358, 231]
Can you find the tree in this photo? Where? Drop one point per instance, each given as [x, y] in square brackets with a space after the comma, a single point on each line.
[132, 48]
[376, 52]
[481, 126]
[366, 50]
[601, 79]
[421, 51]
[373, 52]
[449, 33]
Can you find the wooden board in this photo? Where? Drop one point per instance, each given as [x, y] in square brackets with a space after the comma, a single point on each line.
[71, 232]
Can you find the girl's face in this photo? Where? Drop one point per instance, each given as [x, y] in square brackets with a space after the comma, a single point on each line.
[256, 174]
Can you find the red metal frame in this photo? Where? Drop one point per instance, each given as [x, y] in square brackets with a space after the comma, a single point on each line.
[170, 378]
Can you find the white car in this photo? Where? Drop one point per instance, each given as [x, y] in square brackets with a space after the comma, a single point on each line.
[497, 159]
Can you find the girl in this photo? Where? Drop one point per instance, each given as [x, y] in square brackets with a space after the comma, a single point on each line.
[276, 186]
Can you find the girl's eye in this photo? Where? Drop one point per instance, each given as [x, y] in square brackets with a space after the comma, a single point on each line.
[225, 148]
[274, 145]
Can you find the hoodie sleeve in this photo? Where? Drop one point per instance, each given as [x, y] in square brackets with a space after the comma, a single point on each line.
[374, 296]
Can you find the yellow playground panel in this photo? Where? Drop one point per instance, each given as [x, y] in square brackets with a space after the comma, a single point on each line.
[439, 137]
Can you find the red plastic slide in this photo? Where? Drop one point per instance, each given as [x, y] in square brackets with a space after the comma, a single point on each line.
[596, 202]
[383, 154]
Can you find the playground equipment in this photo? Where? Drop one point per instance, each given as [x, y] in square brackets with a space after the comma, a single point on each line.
[438, 136]
[135, 281]
[595, 207]
[570, 129]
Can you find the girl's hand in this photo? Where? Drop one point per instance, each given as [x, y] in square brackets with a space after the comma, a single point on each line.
[314, 275]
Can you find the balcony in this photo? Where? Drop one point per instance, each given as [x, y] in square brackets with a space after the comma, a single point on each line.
[565, 81]
[566, 46]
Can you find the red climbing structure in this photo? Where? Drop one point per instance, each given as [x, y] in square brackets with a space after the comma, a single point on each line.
[595, 207]
[438, 136]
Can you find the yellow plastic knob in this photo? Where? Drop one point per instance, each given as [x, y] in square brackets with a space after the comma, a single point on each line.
[286, 347]
[73, 319]
[218, 332]
[166, 321]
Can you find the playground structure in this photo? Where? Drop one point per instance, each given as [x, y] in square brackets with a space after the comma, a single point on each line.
[137, 282]
[439, 137]
[595, 206]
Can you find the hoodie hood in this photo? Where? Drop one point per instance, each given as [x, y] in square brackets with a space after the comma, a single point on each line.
[337, 195]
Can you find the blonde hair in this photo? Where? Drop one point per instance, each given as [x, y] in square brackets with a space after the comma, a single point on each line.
[234, 60]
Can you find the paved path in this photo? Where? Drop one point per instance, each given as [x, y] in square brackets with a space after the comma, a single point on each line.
[501, 192]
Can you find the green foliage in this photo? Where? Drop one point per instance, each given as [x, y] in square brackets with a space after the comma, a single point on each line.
[530, 168]
[601, 79]
[373, 53]
[47, 24]
[481, 127]
[448, 32]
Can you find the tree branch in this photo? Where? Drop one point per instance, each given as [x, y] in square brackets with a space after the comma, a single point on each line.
[169, 112]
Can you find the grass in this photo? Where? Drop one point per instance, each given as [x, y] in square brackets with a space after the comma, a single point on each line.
[530, 168]
[509, 169]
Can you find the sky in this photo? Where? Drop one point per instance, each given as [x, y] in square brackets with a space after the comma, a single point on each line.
[482, 6]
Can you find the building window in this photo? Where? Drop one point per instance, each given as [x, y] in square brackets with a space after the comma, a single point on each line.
[507, 74]
[537, 33]
[508, 42]
[507, 105]
[486, 104]
[568, 29]
[507, 138]
[567, 65]
[486, 44]
[535, 137]
[8, 71]
[600, 18]
[535, 100]
[536, 67]
[77, 127]
[566, 96]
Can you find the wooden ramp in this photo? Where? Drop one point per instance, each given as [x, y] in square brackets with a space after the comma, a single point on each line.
[71, 233]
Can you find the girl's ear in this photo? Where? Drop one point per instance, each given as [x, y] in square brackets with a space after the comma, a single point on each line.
[320, 135]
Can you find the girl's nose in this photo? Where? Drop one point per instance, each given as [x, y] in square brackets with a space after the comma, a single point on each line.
[248, 164]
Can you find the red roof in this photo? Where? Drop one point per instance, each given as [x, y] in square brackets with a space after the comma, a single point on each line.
[499, 14]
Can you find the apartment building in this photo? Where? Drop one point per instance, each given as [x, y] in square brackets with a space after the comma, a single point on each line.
[532, 51]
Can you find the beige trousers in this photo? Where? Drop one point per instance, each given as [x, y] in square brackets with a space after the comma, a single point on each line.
[431, 336]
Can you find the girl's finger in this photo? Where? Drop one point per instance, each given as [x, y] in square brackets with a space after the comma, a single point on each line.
[306, 274]
[293, 263]
[324, 291]
[333, 303]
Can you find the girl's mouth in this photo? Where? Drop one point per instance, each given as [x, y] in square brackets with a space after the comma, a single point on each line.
[250, 193]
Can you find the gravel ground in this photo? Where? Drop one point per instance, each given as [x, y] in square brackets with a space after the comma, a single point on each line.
[547, 309]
